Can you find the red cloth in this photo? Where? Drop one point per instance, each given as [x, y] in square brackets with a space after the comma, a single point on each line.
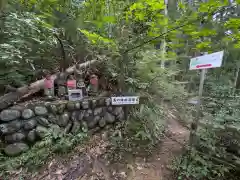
[48, 83]
[72, 83]
[94, 81]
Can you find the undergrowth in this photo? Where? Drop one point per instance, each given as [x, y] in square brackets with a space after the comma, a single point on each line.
[40, 152]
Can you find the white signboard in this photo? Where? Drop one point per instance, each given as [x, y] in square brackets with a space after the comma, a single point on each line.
[207, 61]
[75, 94]
[125, 100]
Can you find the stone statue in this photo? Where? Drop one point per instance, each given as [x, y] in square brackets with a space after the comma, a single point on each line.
[80, 81]
[61, 83]
[71, 82]
[93, 85]
[48, 86]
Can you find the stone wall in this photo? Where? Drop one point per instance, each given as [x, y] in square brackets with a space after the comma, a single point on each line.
[22, 125]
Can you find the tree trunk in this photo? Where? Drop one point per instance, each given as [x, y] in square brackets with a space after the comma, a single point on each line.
[25, 91]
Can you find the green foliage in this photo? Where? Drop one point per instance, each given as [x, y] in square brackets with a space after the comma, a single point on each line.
[54, 142]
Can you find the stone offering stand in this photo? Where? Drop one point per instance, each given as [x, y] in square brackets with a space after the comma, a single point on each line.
[24, 124]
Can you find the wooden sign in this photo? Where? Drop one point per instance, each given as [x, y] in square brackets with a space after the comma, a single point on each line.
[125, 100]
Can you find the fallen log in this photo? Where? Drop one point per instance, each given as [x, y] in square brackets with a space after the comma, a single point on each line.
[25, 91]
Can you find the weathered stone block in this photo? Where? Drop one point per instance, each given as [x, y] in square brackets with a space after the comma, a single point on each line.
[16, 149]
[9, 114]
[16, 137]
[41, 110]
[30, 124]
[27, 114]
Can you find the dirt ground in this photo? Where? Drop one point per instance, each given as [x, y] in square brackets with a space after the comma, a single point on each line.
[89, 163]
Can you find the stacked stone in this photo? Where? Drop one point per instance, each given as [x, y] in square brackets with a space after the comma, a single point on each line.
[21, 128]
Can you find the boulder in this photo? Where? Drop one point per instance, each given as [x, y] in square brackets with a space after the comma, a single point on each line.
[85, 104]
[42, 131]
[110, 109]
[32, 136]
[41, 110]
[43, 121]
[117, 111]
[97, 111]
[61, 108]
[109, 117]
[16, 149]
[102, 122]
[63, 119]
[76, 127]
[74, 116]
[94, 103]
[53, 108]
[92, 123]
[68, 128]
[78, 105]
[9, 114]
[27, 113]
[120, 116]
[71, 106]
[16, 137]
[30, 124]
[52, 118]
[81, 115]
[11, 127]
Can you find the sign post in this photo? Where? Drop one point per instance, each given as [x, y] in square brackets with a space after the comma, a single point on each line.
[203, 63]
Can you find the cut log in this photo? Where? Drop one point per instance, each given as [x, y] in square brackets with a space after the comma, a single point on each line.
[25, 91]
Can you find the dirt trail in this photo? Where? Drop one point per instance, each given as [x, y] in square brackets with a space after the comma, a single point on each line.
[157, 167]
[89, 163]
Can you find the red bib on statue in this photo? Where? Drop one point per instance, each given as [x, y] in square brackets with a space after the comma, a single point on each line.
[94, 81]
[48, 83]
[72, 83]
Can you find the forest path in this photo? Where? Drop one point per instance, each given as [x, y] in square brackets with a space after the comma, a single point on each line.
[157, 167]
[91, 163]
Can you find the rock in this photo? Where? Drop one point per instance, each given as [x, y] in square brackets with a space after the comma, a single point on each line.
[78, 105]
[27, 113]
[74, 116]
[88, 115]
[117, 111]
[94, 103]
[102, 122]
[84, 127]
[30, 124]
[41, 110]
[76, 127]
[85, 104]
[71, 106]
[16, 149]
[97, 111]
[108, 101]
[68, 128]
[56, 131]
[32, 136]
[81, 115]
[16, 137]
[110, 109]
[61, 108]
[63, 120]
[9, 114]
[11, 127]
[120, 116]
[92, 123]
[43, 121]
[52, 118]
[42, 131]
[109, 117]
[53, 109]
